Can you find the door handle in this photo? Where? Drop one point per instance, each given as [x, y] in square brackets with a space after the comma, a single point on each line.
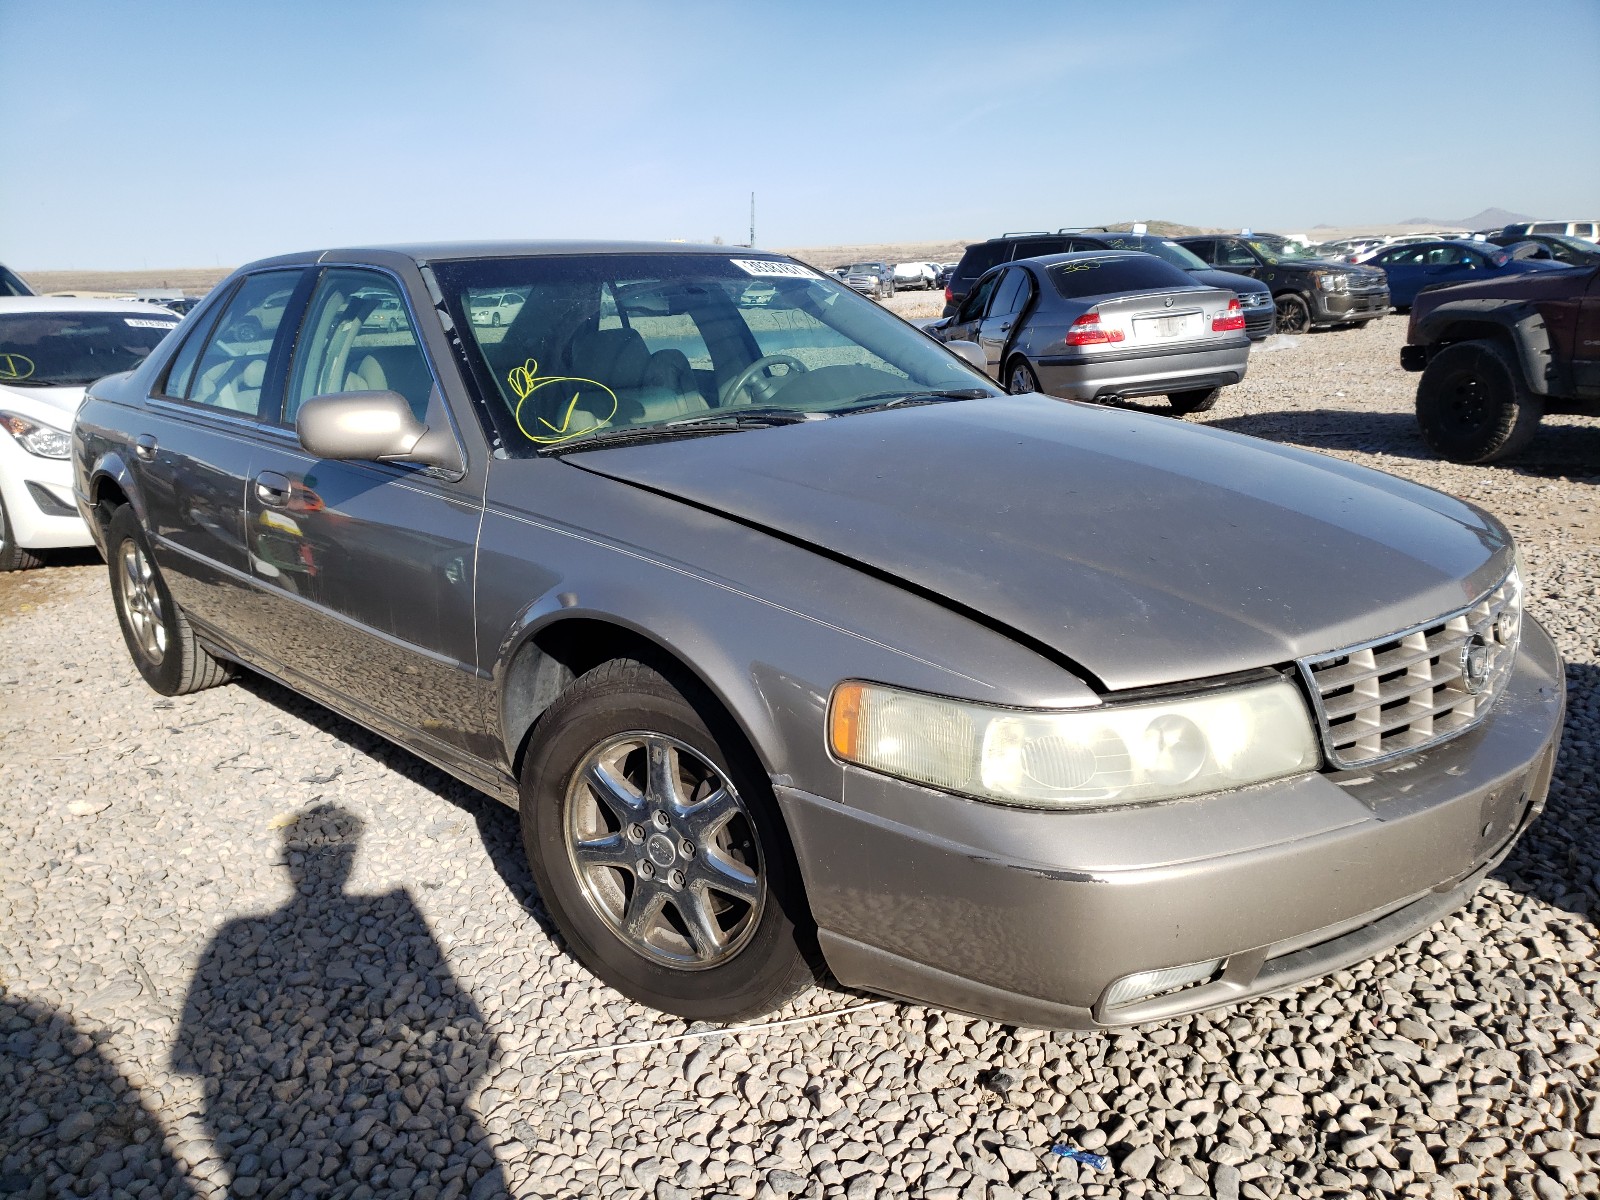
[272, 489]
[145, 447]
[1005, 327]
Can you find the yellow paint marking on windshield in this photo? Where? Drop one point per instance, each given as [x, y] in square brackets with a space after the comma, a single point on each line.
[525, 381]
[15, 366]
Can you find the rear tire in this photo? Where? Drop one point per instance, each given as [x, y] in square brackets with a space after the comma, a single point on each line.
[12, 556]
[625, 884]
[1020, 377]
[1197, 401]
[159, 638]
[1473, 405]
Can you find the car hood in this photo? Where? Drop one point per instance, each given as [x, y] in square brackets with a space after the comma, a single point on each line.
[57, 405]
[1141, 549]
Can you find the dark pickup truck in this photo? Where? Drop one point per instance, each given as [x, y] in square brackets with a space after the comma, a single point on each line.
[1497, 355]
[1308, 292]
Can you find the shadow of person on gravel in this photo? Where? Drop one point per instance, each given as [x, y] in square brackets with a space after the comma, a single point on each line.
[335, 1046]
[1557, 451]
[1558, 859]
[498, 826]
[69, 1122]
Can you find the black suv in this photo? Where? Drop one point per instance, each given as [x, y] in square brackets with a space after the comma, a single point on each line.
[980, 256]
[1307, 291]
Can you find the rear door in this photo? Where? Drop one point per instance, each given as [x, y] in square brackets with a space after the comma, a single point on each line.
[193, 446]
[1586, 348]
[368, 567]
[997, 327]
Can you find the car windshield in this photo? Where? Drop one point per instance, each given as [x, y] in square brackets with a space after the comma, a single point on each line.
[1276, 252]
[70, 349]
[606, 345]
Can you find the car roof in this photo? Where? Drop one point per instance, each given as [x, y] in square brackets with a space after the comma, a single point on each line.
[425, 252]
[1050, 260]
[41, 304]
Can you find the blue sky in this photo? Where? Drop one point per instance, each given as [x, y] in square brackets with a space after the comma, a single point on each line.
[186, 133]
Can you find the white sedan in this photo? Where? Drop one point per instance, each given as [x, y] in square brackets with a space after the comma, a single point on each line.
[51, 348]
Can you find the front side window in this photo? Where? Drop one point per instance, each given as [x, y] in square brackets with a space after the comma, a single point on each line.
[978, 298]
[230, 370]
[1205, 250]
[73, 349]
[609, 344]
[1236, 254]
[10, 285]
[357, 337]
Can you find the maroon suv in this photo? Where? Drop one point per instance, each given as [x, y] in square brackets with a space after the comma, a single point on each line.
[1496, 356]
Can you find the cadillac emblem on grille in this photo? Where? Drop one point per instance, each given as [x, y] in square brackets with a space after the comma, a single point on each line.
[1475, 664]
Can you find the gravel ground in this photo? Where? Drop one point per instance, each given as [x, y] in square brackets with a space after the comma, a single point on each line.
[248, 949]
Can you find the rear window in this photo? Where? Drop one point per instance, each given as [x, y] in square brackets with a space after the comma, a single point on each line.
[1103, 276]
[979, 259]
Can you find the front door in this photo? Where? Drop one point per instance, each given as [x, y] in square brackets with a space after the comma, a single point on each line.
[372, 564]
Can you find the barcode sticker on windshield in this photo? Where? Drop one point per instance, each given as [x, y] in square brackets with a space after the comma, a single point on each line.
[138, 323]
[765, 266]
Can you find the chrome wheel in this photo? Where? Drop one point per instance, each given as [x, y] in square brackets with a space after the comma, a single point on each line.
[664, 850]
[142, 602]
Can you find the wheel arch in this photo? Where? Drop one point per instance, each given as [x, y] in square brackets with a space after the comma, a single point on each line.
[1518, 326]
[111, 485]
[555, 644]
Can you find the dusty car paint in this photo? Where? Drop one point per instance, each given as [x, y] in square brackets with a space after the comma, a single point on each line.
[1018, 551]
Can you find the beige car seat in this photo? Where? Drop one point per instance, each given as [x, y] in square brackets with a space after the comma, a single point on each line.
[649, 387]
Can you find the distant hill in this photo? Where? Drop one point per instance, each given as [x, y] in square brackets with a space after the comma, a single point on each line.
[1487, 219]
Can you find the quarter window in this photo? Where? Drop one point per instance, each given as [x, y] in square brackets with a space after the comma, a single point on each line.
[231, 370]
[358, 337]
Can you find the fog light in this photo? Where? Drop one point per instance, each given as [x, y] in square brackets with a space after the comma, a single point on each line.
[1152, 983]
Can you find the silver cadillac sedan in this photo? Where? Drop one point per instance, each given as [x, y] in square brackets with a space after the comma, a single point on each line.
[794, 641]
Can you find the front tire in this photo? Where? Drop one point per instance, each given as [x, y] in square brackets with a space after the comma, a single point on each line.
[159, 638]
[1198, 401]
[1294, 314]
[12, 556]
[1473, 405]
[657, 847]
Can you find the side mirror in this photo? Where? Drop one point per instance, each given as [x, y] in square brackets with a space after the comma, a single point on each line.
[969, 352]
[373, 427]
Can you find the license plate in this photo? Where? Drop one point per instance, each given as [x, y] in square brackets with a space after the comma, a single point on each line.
[1165, 327]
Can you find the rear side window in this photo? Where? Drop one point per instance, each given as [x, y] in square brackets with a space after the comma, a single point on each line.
[230, 369]
[1103, 276]
[1033, 247]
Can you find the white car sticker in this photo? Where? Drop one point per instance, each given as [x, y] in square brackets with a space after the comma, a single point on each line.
[762, 266]
[137, 323]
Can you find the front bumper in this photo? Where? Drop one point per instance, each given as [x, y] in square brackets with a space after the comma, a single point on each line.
[39, 499]
[1030, 917]
[1122, 373]
[1335, 308]
[1260, 322]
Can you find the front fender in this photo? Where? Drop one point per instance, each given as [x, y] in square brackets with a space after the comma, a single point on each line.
[1519, 321]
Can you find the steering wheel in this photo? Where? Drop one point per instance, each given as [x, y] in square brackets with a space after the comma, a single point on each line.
[749, 374]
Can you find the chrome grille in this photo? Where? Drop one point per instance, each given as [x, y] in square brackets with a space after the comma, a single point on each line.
[1413, 689]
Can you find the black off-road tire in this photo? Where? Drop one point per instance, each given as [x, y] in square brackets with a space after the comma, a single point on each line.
[183, 665]
[1473, 406]
[775, 964]
[1198, 401]
[1294, 314]
[1021, 378]
[12, 556]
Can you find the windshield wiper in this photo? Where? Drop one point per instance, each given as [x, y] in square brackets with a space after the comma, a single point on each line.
[715, 421]
[882, 400]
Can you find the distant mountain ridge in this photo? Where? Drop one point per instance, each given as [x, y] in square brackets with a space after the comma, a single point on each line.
[1488, 218]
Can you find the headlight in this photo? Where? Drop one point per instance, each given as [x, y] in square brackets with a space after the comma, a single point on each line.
[1333, 283]
[46, 441]
[1115, 754]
